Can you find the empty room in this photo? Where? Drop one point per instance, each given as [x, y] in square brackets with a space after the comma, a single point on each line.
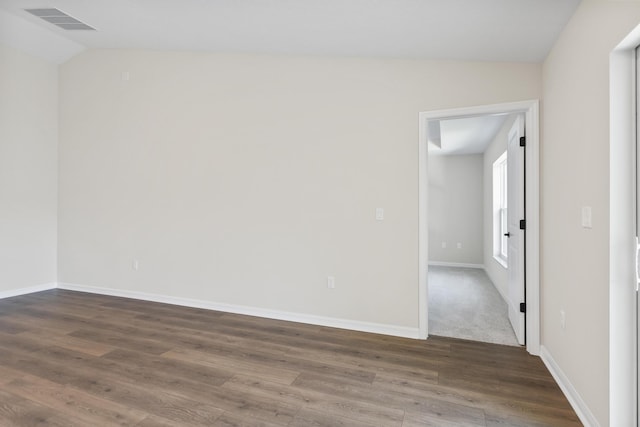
[218, 213]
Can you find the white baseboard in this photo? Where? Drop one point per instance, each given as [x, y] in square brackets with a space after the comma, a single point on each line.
[455, 264]
[28, 290]
[504, 296]
[376, 328]
[572, 395]
[479, 266]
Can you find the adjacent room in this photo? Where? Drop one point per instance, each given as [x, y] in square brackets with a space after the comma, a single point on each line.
[211, 213]
[468, 289]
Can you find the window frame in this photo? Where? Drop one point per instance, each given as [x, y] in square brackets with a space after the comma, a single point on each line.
[500, 211]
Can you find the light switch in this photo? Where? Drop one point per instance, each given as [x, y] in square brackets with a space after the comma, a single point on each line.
[379, 214]
[586, 217]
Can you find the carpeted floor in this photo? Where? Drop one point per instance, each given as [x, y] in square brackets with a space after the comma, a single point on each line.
[463, 303]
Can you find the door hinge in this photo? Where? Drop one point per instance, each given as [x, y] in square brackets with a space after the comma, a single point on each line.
[523, 224]
[523, 307]
[523, 141]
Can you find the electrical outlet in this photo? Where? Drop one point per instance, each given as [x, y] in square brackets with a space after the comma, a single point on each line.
[563, 319]
[444, 245]
[331, 282]
[135, 265]
[459, 245]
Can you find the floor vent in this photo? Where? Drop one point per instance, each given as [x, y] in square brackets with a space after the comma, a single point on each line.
[59, 19]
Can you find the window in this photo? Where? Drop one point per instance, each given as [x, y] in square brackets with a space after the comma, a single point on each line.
[500, 224]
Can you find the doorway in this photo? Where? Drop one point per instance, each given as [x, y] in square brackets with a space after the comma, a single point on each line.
[470, 238]
[530, 111]
[624, 329]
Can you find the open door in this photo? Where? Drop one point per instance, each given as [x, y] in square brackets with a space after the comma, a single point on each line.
[516, 227]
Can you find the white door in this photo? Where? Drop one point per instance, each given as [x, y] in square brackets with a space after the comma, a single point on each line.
[515, 213]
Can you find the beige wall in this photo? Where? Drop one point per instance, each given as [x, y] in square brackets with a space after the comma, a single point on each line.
[496, 272]
[455, 208]
[575, 173]
[248, 180]
[28, 170]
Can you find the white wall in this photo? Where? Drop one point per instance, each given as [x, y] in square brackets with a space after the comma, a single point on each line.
[455, 208]
[28, 170]
[496, 272]
[248, 180]
[575, 173]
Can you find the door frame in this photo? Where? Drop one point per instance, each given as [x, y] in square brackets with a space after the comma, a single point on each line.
[530, 109]
[623, 310]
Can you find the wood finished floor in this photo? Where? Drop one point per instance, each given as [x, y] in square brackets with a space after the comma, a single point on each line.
[75, 359]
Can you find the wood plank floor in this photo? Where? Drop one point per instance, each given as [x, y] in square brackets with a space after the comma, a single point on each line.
[76, 359]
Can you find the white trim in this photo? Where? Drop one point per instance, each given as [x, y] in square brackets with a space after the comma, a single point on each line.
[623, 346]
[499, 206]
[28, 290]
[376, 328]
[532, 123]
[504, 296]
[532, 128]
[423, 230]
[455, 264]
[501, 261]
[572, 395]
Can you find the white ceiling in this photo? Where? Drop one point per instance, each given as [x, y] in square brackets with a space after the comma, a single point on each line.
[471, 135]
[36, 39]
[486, 30]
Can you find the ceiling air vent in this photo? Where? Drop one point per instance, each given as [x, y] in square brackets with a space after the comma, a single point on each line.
[59, 19]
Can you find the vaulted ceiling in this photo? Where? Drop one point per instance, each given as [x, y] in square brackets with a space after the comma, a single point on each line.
[485, 30]
[480, 30]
